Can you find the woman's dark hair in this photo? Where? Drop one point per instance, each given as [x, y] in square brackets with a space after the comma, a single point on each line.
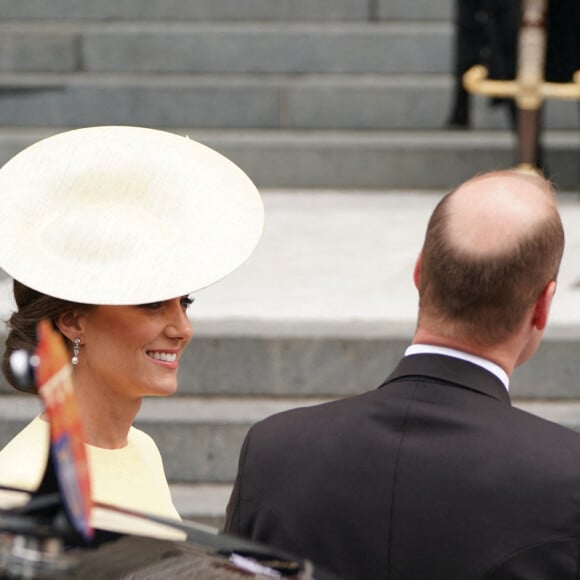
[32, 306]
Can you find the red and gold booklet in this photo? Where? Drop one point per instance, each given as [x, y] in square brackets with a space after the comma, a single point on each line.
[54, 380]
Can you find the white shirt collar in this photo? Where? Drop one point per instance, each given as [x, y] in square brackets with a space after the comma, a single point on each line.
[477, 360]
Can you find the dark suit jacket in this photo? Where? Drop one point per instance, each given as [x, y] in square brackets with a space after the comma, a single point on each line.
[434, 476]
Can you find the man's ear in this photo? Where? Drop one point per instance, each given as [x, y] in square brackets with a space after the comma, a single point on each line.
[543, 305]
[417, 271]
[70, 324]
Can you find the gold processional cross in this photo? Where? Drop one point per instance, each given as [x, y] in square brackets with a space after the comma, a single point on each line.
[528, 89]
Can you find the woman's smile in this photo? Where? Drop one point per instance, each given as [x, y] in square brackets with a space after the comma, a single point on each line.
[168, 357]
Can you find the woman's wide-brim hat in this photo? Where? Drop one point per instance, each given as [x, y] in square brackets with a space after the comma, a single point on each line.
[124, 215]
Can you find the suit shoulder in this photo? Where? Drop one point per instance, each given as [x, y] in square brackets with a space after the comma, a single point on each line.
[549, 443]
[314, 414]
[296, 429]
[546, 427]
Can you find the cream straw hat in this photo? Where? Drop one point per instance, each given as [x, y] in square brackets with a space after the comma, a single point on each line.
[124, 215]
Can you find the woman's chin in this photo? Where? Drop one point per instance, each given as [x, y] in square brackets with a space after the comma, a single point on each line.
[162, 390]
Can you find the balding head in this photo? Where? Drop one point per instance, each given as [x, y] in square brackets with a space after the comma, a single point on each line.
[490, 215]
[491, 247]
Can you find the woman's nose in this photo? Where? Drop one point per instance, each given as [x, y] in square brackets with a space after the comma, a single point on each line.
[179, 325]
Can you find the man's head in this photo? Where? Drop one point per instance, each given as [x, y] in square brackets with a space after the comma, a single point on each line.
[492, 248]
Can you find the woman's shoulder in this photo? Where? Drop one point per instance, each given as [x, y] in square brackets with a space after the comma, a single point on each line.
[32, 439]
[143, 443]
[141, 438]
[23, 459]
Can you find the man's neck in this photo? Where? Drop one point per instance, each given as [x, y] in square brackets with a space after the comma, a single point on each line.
[501, 355]
[488, 365]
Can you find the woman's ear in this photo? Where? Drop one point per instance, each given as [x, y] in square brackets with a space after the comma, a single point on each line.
[70, 324]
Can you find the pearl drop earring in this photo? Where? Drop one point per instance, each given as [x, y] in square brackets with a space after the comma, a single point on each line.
[76, 350]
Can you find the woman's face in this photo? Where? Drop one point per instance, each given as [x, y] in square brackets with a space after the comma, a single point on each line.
[134, 351]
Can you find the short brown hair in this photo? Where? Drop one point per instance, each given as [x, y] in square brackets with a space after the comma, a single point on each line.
[32, 306]
[485, 297]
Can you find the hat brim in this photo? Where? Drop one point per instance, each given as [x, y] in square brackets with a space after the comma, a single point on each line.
[124, 215]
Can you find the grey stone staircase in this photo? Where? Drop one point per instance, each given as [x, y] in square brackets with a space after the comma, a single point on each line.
[342, 95]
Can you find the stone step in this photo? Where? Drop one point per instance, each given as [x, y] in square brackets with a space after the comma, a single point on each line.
[285, 10]
[203, 503]
[383, 160]
[212, 430]
[169, 47]
[331, 366]
[361, 160]
[334, 366]
[316, 101]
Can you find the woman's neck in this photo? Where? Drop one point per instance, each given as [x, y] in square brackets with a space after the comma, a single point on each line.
[106, 418]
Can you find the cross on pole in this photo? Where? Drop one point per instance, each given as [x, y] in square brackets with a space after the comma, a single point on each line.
[529, 89]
